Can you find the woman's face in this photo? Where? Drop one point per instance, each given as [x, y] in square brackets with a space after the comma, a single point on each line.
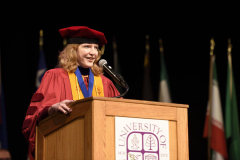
[86, 54]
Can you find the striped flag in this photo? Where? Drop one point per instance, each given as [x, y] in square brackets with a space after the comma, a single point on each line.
[231, 115]
[217, 135]
[164, 92]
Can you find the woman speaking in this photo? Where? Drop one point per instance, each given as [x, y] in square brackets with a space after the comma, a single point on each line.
[78, 76]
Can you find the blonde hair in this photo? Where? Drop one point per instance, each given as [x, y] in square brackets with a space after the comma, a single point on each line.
[67, 59]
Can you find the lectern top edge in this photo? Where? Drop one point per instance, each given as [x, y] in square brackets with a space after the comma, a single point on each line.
[132, 101]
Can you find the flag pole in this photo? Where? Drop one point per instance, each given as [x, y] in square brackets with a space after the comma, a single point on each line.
[230, 65]
[41, 39]
[161, 46]
[212, 44]
[41, 60]
[146, 59]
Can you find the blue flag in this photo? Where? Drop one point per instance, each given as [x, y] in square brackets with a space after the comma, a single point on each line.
[3, 124]
[42, 67]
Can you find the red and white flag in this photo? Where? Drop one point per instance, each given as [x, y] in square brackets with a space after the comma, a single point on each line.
[218, 141]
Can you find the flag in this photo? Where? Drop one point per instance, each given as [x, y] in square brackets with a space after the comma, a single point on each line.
[42, 67]
[217, 138]
[164, 92]
[3, 123]
[147, 89]
[116, 64]
[231, 116]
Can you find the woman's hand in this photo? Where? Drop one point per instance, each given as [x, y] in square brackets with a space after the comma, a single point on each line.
[61, 106]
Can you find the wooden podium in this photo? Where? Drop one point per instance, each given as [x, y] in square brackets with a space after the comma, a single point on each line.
[88, 132]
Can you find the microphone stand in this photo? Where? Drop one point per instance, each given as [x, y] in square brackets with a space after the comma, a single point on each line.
[117, 78]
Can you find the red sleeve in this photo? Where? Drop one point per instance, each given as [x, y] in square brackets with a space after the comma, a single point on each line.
[48, 93]
[109, 88]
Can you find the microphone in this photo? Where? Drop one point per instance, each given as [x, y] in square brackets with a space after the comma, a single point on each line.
[117, 77]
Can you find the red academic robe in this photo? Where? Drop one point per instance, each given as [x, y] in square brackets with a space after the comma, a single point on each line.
[55, 87]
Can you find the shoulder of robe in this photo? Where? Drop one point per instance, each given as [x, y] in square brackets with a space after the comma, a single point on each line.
[105, 79]
[58, 71]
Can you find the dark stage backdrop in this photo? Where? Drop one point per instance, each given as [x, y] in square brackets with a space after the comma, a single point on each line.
[186, 56]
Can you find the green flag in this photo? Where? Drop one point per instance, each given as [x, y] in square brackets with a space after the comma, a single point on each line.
[164, 93]
[231, 116]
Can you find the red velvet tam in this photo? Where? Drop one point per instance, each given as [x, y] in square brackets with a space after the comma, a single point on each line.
[83, 34]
